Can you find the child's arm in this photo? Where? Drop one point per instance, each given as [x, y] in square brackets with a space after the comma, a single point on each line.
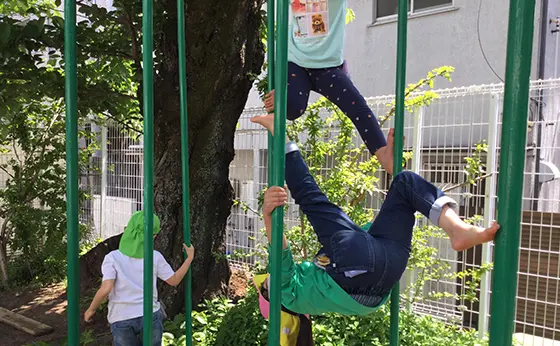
[100, 297]
[178, 276]
[274, 197]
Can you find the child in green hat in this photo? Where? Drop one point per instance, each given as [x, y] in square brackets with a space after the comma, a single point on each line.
[123, 273]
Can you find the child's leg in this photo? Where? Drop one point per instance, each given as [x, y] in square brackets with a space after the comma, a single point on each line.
[335, 85]
[157, 331]
[409, 193]
[325, 217]
[299, 87]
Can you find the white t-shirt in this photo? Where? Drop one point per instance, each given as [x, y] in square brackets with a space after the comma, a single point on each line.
[125, 300]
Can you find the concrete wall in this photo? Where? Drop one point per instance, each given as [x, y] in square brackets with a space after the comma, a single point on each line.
[445, 38]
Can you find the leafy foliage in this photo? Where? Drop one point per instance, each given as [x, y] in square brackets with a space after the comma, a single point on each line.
[32, 119]
[221, 323]
[32, 204]
[421, 93]
[475, 168]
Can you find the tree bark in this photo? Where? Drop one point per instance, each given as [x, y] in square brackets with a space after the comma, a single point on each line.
[90, 263]
[223, 50]
[4, 251]
[3, 262]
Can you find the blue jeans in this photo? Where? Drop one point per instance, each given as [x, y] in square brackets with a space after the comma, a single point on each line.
[129, 332]
[380, 254]
[335, 85]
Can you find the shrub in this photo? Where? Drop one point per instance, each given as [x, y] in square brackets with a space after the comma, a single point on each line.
[221, 323]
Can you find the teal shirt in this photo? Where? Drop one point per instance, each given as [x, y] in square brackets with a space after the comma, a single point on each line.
[316, 36]
[307, 289]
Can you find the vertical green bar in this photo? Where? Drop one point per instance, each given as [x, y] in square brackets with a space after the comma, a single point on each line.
[185, 161]
[512, 157]
[279, 162]
[270, 18]
[70, 69]
[399, 133]
[148, 89]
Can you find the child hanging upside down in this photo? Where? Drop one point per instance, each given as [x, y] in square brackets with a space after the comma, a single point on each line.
[355, 270]
[315, 62]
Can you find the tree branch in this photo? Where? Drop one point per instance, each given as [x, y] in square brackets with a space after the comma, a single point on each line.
[6, 171]
[43, 134]
[123, 123]
[14, 150]
[135, 56]
[453, 187]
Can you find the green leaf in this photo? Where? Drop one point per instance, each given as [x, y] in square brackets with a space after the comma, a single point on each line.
[32, 29]
[5, 30]
[58, 22]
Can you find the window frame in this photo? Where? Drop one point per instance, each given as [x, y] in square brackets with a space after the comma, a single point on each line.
[411, 13]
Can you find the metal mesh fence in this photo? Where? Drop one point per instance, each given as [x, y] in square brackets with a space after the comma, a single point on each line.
[440, 136]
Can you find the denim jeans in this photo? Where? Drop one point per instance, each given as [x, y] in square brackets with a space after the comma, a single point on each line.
[129, 332]
[381, 253]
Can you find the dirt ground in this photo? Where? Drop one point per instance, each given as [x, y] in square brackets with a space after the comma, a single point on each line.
[48, 305]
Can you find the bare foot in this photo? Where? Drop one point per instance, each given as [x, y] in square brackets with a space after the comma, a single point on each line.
[266, 121]
[466, 236]
[385, 155]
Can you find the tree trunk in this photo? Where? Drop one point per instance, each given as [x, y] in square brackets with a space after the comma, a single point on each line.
[3, 261]
[223, 50]
[4, 251]
[90, 263]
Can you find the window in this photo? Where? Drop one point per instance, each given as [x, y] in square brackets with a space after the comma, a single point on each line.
[386, 8]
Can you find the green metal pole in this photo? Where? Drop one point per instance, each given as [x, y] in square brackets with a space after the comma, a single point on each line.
[185, 161]
[279, 160]
[70, 69]
[148, 95]
[399, 133]
[510, 184]
[270, 18]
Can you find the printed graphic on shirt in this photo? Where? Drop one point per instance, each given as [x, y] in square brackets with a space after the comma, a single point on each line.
[311, 18]
[321, 261]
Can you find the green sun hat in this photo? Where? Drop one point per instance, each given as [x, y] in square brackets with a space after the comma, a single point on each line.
[132, 240]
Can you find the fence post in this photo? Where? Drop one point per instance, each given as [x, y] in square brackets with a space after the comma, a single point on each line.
[489, 211]
[512, 158]
[103, 180]
[416, 165]
[256, 169]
